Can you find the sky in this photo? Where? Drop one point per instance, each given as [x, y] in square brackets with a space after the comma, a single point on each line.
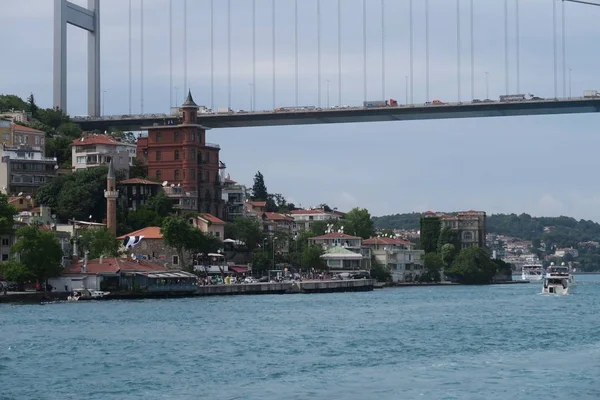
[541, 165]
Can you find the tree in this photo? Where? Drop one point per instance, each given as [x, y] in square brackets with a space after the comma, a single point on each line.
[433, 267]
[14, 271]
[259, 189]
[447, 236]
[138, 169]
[7, 214]
[311, 257]
[11, 102]
[98, 242]
[448, 254]
[379, 271]
[39, 251]
[160, 203]
[176, 234]
[142, 218]
[31, 106]
[358, 222]
[260, 262]
[430, 233]
[248, 230]
[472, 266]
[69, 130]
[60, 147]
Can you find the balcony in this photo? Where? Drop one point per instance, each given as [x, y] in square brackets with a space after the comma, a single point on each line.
[178, 192]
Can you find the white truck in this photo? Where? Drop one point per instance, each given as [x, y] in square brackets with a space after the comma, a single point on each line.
[588, 94]
[224, 110]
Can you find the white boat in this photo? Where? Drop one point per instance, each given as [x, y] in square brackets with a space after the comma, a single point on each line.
[86, 294]
[558, 280]
[532, 272]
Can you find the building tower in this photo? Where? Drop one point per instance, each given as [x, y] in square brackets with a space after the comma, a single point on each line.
[111, 195]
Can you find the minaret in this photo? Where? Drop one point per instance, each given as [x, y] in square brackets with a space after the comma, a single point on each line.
[111, 195]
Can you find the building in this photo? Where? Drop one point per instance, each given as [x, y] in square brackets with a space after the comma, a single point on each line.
[254, 208]
[340, 259]
[151, 247]
[470, 226]
[182, 199]
[24, 169]
[22, 117]
[211, 225]
[23, 136]
[234, 196]
[304, 218]
[399, 256]
[135, 192]
[22, 203]
[179, 155]
[93, 150]
[273, 222]
[5, 131]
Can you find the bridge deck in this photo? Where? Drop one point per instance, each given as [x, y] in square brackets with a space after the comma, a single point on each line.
[352, 115]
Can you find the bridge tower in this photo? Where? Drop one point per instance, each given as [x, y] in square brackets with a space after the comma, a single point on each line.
[88, 19]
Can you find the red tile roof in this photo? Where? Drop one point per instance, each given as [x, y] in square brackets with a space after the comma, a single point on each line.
[27, 129]
[257, 203]
[276, 217]
[113, 265]
[334, 235]
[138, 181]
[150, 232]
[212, 219]
[307, 212]
[386, 240]
[96, 139]
[229, 180]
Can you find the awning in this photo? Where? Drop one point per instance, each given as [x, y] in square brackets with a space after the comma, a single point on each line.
[238, 269]
[167, 275]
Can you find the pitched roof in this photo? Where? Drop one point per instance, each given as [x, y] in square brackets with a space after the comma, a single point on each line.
[150, 232]
[334, 235]
[386, 240]
[113, 265]
[276, 216]
[96, 139]
[211, 218]
[308, 212]
[138, 181]
[111, 170]
[189, 101]
[339, 252]
[27, 129]
[257, 203]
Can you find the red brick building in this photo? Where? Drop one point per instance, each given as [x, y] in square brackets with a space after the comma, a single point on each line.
[179, 155]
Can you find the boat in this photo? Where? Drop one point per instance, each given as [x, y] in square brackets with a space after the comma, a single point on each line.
[558, 280]
[532, 272]
[86, 294]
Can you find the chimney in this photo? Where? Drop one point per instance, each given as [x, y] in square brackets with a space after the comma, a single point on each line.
[101, 259]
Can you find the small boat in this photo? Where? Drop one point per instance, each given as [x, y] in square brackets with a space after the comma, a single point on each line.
[86, 294]
[532, 272]
[558, 280]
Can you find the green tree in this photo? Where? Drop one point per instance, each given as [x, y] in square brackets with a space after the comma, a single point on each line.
[433, 267]
[358, 222]
[11, 102]
[69, 130]
[248, 230]
[60, 147]
[259, 189]
[138, 169]
[430, 233]
[39, 251]
[14, 271]
[448, 254]
[160, 203]
[261, 262]
[311, 257]
[31, 106]
[472, 266]
[448, 236]
[379, 271]
[98, 242]
[142, 218]
[52, 117]
[7, 214]
[177, 234]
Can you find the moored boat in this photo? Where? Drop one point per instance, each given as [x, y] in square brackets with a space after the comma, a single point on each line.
[532, 272]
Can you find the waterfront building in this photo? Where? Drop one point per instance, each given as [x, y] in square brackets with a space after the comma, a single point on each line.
[304, 219]
[399, 256]
[210, 225]
[92, 150]
[23, 169]
[180, 156]
[135, 192]
[351, 243]
[234, 196]
[150, 247]
[470, 226]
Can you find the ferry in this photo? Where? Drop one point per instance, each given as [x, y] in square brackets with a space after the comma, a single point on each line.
[532, 272]
[558, 280]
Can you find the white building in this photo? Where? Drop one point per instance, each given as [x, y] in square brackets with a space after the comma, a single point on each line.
[234, 195]
[398, 256]
[94, 150]
[23, 169]
[304, 219]
[337, 246]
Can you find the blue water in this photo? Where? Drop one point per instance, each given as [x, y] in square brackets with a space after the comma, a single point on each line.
[488, 342]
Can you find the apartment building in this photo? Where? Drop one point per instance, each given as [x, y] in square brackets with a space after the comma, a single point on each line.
[399, 256]
[234, 195]
[24, 169]
[304, 219]
[93, 150]
[470, 225]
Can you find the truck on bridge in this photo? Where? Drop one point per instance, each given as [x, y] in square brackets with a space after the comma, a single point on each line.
[512, 97]
[380, 103]
[589, 94]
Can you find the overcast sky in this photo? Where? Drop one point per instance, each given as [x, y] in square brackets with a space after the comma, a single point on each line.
[539, 165]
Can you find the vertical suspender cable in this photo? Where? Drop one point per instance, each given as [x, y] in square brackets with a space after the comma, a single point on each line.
[364, 50]
[564, 50]
[212, 54]
[554, 49]
[274, 58]
[427, 50]
[472, 34]
[296, 51]
[253, 105]
[319, 52]
[518, 34]
[382, 49]
[141, 56]
[185, 46]
[458, 47]
[229, 53]
[130, 64]
[170, 53]
[410, 11]
[339, 52]
[506, 73]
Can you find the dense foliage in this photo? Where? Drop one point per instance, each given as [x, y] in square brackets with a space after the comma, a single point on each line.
[39, 251]
[98, 242]
[430, 233]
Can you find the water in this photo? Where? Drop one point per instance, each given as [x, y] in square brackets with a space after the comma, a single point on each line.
[488, 342]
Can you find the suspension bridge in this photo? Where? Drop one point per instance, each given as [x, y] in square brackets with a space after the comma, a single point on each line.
[322, 25]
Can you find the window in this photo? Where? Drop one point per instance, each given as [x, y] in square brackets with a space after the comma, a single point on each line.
[5, 242]
[217, 234]
[183, 174]
[176, 174]
[158, 155]
[192, 173]
[193, 137]
[158, 174]
[176, 154]
[4, 257]
[467, 235]
[193, 155]
[175, 260]
[176, 136]
[157, 137]
[207, 156]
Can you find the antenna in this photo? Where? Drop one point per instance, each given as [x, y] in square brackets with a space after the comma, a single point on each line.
[28, 197]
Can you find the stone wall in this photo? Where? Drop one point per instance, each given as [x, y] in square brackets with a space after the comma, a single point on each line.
[155, 250]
